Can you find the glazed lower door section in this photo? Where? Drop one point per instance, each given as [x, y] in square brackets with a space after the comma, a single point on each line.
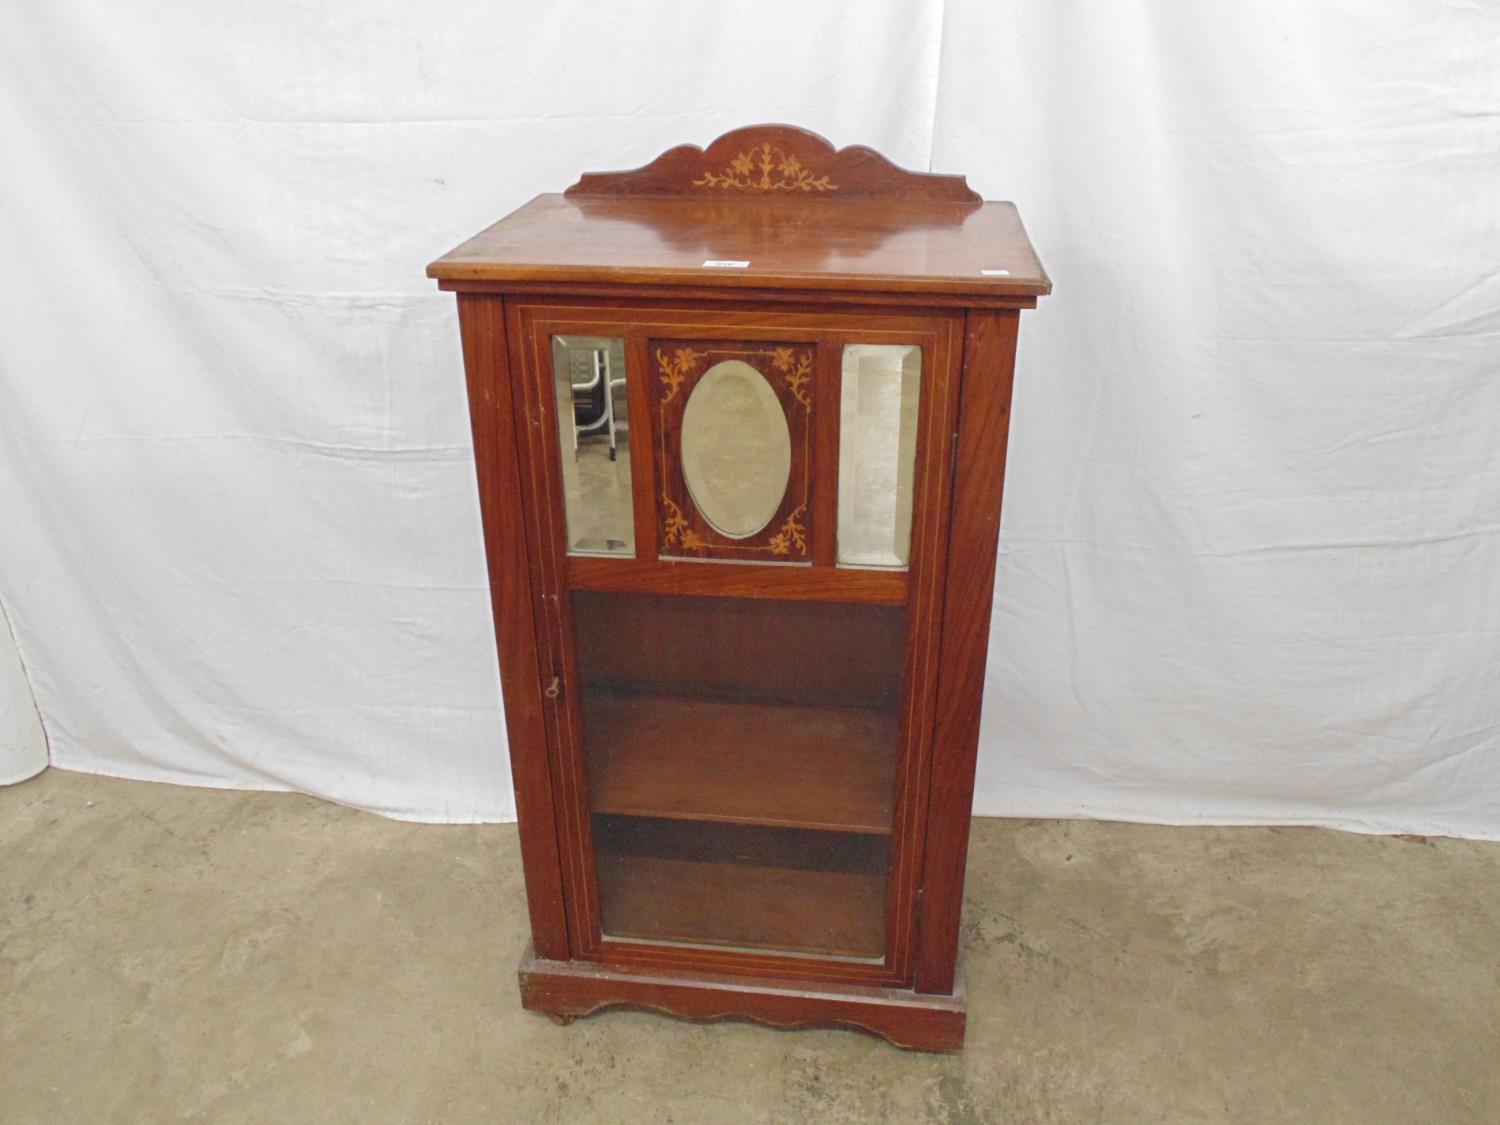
[741, 757]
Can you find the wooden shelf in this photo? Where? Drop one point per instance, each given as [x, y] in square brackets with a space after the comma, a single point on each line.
[780, 765]
[833, 913]
[782, 581]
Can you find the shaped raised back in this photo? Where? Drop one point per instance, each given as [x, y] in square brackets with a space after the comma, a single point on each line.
[770, 161]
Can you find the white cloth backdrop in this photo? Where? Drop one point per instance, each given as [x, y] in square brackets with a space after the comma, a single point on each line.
[23, 746]
[1251, 546]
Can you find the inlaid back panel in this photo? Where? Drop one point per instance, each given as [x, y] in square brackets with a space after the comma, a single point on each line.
[734, 448]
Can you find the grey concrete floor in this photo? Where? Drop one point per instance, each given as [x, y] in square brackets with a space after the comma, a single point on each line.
[178, 954]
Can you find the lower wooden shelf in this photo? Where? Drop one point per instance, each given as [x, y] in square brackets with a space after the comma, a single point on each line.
[914, 1020]
[832, 913]
[786, 765]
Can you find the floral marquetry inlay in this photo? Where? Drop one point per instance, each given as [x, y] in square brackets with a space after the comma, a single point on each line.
[797, 371]
[767, 168]
[793, 535]
[674, 369]
[675, 529]
[733, 437]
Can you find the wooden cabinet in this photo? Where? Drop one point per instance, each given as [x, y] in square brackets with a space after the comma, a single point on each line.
[740, 423]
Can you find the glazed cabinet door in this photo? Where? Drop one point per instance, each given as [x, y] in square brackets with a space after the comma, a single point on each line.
[737, 522]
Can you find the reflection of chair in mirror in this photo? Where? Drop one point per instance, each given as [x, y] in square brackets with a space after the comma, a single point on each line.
[594, 403]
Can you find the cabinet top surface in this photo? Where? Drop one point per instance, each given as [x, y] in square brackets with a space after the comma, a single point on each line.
[767, 207]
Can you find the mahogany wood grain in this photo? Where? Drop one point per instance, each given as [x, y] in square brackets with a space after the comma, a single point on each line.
[932, 488]
[775, 160]
[771, 580]
[828, 395]
[722, 885]
[677, 367]
[482, 325]
[798, 849]
[740, 649]
[849, 698]
[730, 299]
[567, 989]
[773, 764]
[540, 494]
[635, 317]
[855, 248]
[829, 913]
[979, 479]
[643, 487]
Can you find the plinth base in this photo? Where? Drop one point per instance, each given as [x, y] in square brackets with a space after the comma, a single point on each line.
[916, 1021]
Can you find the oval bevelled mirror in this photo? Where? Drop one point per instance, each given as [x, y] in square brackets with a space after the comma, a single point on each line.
[736, 449]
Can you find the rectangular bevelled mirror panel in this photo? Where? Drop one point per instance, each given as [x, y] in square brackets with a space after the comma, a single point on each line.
[593, 437]
[877, 453]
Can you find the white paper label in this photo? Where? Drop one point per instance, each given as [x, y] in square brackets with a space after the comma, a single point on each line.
[995, 273]
[724, 265]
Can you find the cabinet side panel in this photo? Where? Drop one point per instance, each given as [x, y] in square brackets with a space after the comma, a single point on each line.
[979, 475]
[491, 415]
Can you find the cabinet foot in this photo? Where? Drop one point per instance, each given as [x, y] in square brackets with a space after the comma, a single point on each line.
[559, 1018]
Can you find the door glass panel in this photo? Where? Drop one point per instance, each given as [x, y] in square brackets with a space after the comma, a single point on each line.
[741, 755]
[736, 449]
[594, 438]
[877, 453]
